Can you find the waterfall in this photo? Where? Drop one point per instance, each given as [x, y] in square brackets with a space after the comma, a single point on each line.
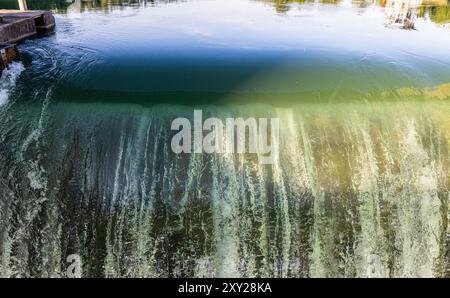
[8, 80]
[358, 190]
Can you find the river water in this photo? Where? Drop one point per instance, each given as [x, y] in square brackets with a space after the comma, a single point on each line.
[360, 187]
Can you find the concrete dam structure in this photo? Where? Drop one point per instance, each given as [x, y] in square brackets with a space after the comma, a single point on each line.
[16, 26]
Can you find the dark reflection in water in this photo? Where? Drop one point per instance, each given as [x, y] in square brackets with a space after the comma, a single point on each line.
[400, 12]
[81, 5]
[438, 14]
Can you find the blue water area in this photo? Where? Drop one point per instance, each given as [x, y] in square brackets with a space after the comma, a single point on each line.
[227, 51]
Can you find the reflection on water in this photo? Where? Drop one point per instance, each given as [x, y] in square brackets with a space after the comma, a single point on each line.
[398, 12]
[285, 5]
[152, 52]
[405, 12]
[402, 12]
[438, 14]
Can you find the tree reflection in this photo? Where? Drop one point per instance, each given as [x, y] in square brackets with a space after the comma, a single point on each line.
[438, 14]
[402, 13]
[282, 6]
[399, 13]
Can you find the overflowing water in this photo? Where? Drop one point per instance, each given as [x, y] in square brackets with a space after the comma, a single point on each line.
[360, 187]
[8, 80]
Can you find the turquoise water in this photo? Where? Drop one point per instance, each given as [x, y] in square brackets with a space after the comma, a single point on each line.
[360, 188]
[203, 51]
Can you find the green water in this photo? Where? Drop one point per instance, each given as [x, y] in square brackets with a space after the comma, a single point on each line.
[360, 188]
[203, 51]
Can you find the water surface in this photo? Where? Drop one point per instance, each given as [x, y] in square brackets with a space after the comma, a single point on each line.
[361, 186]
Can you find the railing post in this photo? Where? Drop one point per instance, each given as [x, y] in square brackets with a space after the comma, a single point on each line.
[23, 5]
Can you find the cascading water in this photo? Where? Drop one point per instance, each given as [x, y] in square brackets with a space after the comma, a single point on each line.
[360, 187]
[8, 80]
[359, 190]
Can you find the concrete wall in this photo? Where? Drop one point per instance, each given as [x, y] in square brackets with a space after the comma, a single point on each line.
[15, 30]
[7, 54]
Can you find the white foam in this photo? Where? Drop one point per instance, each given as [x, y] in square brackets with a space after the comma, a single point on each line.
[8, 80]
